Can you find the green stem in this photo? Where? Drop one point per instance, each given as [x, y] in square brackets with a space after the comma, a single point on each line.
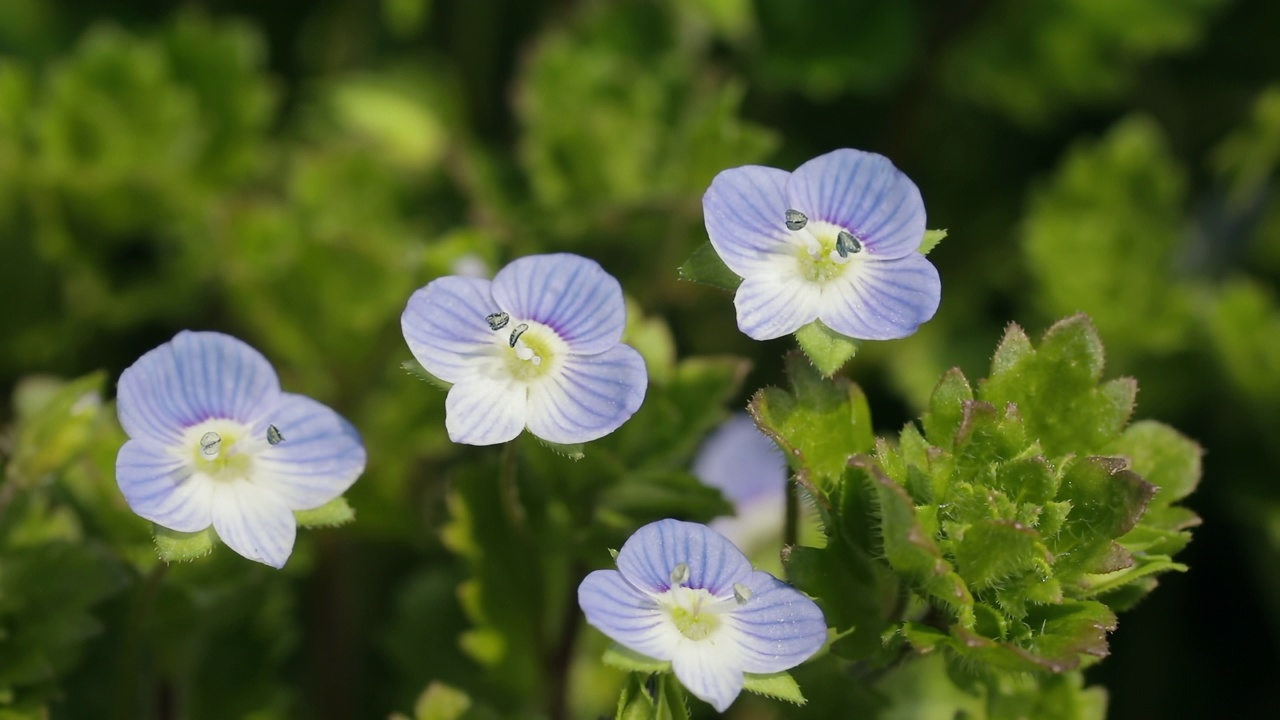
[127, 677]
[508, 490]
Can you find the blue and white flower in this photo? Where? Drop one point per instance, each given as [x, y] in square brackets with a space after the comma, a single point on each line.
[837, 241]
[538, 347]
[751, 472]
[683, 593]
[214, 441]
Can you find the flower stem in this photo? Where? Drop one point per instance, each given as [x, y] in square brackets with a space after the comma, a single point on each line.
[791, 521]
[135, 635]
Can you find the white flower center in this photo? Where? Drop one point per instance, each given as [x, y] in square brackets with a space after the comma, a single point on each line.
[223, 449]
[825, 251]
[529, 349]
[695, 612]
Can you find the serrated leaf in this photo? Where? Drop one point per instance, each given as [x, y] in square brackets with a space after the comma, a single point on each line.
[414, 368]
[827, 349]
[911, 550]
[1106, 500]
[334, 513]
[1142, 567]
[706, 267]
[1062, 634]
[174, 546]
[1163, 457]
[931, 240]
[946, 408]
[628, 660]
[780, 686]
[1056, 388]
[573, 452]
[993, 550]
[820, 423]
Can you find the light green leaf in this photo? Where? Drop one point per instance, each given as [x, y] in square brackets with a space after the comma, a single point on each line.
[826, 348]
[931, 240]
[441, 702]
[174, 546]
[624, 658]
[332, 514]
[780, 686]
[414, 368]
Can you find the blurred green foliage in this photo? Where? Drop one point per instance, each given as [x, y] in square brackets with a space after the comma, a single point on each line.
[290, 173]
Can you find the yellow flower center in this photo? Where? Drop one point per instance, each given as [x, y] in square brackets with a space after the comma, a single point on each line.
[694, 612]
[222, 449]
[822, 254]
[529, 349]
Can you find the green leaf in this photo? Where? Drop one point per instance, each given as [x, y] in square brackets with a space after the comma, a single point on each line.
[666, 702]
[931, 240]
[651, 337]
[628, 660]
[332, 514]
[441, 702]
[820, 423]
[643, 497]
[827, 349]
[55, 422]
[1163, 457]
[1106, 500]
[779, 685]
[946, 408]
[993, 550]
[705, 266]
[174, 546]
[414, 368]
[1056, 388]
[573, 452]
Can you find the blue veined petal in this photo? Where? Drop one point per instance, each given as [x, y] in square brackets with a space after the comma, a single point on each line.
[485, 410]
[745, 214]
[589, 397]
[159, 486]
[774, 304]
[864, 193]
[715, 564]
[778, 627]
[254, 522]
[194, 377]
[882, 299]
[445, 328]
[710, 671]
[626, 615]
[320, 457]
[570, 294]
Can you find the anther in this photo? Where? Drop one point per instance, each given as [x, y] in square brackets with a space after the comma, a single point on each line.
[796, 220]
[516, 333]
[210, 442]
[497, 320]
[741, 593]
[847, 244]
[679, 574]
[273, 435]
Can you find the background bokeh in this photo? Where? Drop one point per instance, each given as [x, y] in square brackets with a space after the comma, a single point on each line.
[290, 172]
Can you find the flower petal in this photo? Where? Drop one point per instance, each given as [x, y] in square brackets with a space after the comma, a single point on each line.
[627, 616]
[159, 486]
[589, 397]
[320, 457]
[254, 522]
[775, 304]
[445, 328]
[485, 410]
[707, 671]
[570, 294]
[715, 564]
[745, 214]
[742, 462]
[194, 377]
[882, 299]
[778, 627]
[864, 193]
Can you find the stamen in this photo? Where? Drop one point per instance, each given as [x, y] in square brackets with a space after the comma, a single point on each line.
[847, 244]
[210, 443]
[796, 220]
[742, 593]
[679, 574]
[516, 333]
[273, 435]
[497, 320]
